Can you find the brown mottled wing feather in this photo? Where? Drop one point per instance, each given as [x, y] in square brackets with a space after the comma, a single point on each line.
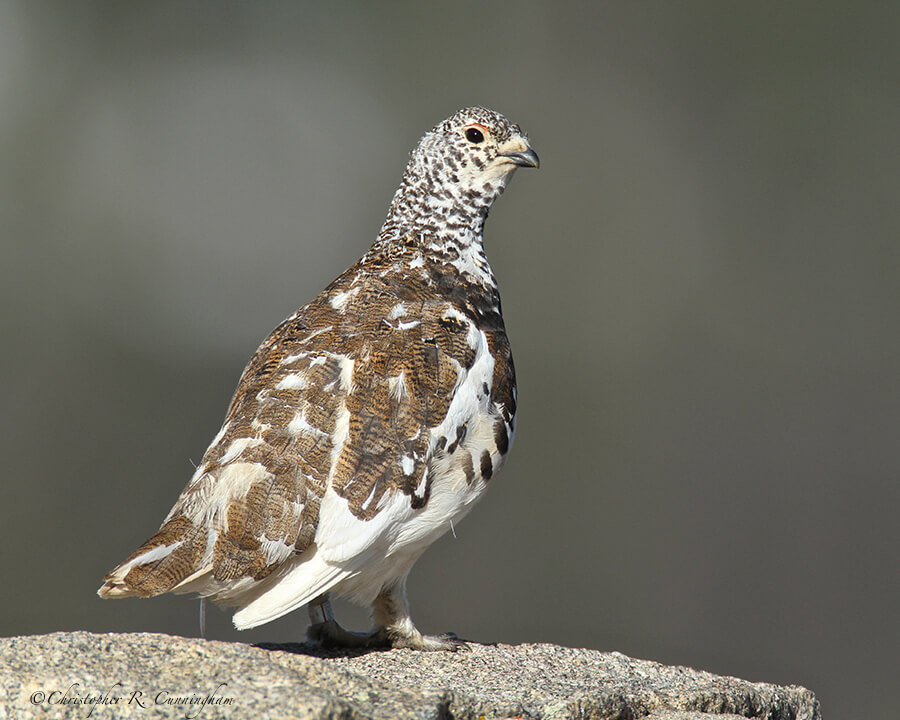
[346, 393]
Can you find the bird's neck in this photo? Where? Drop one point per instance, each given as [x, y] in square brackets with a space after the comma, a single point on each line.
[438, 228]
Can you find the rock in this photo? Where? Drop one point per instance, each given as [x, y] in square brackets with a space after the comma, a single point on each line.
[80, 674]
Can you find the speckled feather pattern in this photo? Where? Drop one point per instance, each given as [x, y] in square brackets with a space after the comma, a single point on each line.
[390, 393]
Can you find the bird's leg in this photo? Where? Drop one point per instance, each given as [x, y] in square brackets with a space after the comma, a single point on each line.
[391, 615]
[325, 631]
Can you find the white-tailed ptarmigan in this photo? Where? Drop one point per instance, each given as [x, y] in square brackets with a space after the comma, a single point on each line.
[367, 423]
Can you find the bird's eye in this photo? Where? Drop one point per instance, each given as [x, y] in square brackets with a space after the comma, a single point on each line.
[474, 135]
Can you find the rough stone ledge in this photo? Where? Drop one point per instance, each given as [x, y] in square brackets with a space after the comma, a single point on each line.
[150, 676]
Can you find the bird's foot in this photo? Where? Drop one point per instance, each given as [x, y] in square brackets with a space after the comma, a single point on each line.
[394, 628]
[329, 634]
[447, 642]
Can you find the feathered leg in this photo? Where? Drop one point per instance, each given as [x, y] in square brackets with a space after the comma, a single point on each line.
[393, 626]
[393, 619]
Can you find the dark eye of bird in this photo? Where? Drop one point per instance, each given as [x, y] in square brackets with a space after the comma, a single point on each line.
[473, 135]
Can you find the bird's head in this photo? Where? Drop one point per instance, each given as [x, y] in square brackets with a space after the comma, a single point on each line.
[458, 169]
[473, 153]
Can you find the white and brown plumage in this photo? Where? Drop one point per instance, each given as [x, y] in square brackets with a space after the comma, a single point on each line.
[367, 422]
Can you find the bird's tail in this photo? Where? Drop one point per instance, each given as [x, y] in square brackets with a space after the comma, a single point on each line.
[159, 565]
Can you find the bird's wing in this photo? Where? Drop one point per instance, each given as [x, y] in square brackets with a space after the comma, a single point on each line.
[338, 414]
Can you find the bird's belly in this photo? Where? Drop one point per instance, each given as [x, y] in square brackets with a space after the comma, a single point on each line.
[459, 475]
[457, 484]
[468, 448]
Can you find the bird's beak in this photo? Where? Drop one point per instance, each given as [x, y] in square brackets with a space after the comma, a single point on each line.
[519, 153]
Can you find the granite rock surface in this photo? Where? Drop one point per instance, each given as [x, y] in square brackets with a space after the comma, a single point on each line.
[143, 675]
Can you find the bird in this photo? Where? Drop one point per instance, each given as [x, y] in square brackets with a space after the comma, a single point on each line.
[366, 424]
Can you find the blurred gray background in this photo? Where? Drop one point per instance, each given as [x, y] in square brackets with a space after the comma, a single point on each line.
[700, 284]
